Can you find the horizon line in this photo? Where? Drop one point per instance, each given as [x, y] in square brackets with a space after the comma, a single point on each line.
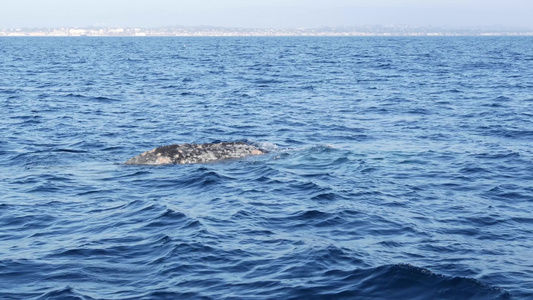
[207, 30]
[442, 27]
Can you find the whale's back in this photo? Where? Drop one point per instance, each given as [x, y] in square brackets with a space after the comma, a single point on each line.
[194, 153]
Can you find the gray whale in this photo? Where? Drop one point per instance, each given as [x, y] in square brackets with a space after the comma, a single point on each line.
[194, 153]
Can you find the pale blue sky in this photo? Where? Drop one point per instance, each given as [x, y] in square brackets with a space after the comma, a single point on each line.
[265, 13]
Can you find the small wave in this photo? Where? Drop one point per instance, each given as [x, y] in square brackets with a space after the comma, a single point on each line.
[100, 99]
[326, 197]
[174, 219]
[404, 281]
[27, 222]
[137, 206]
[314, 218]
[64, 293]
[315, 157]
[502, 99]
[311, 215]
[419, 111]
[500, 131]
[9, 91]
[83, 252]
[474, 170]
[204, 179]
[268, 146]
[497, 155]
[508, 193]
[134, 174]
[493, 105]
[65, 150]
[319, 148]
[486, 220]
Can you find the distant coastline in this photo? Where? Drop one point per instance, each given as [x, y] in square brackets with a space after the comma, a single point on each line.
[223, 31]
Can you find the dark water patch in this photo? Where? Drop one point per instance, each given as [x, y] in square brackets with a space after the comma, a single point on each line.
[399, 281]
[409, 282]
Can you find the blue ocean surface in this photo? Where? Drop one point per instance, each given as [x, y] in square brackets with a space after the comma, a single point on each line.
[398, 168]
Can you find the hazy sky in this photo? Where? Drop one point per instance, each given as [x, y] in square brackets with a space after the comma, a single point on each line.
[265, 13]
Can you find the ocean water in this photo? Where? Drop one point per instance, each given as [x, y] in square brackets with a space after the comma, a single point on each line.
[398, 168]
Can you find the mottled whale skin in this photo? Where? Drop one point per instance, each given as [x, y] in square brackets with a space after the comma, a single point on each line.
[194, 153]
